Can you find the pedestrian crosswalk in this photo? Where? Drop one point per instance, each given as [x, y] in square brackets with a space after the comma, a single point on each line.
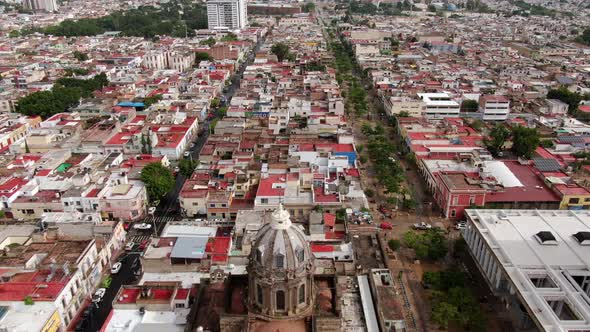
[157, 222]
[140, 238]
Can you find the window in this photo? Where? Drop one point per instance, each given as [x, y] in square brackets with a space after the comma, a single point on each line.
[264, 200]
[280, 298]
[300, 254]
[212, 205]
[472, 200]
[259, 297]
[179, 305]
[455, 201]
[195, 203]
[587, 199]
[279, 261]
[302, 294]
[453, 213]
[574, 200]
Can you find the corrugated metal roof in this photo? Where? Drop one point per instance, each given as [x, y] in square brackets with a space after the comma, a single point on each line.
[189, 247]
[367, 301]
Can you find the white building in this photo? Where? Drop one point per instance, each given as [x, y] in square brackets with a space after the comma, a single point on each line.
[397, 105]
[537, 263]
[227, 14]
[439, 105]
[41, 5]
[494, 108]
[168, 60]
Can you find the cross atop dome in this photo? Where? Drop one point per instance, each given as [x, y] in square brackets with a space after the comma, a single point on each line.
[280, 218]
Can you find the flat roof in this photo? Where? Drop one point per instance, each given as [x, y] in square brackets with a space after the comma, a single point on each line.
[512, 236]
[20, 317]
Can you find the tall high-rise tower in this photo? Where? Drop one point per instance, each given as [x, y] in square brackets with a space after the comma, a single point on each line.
[41, 5]
[229, 14]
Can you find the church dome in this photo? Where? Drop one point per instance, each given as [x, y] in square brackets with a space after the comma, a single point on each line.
[280, 245]
[280, 270]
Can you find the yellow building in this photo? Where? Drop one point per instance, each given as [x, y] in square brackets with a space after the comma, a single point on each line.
[573, 196]
[53, 324]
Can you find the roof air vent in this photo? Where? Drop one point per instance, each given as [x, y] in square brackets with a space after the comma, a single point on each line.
[546, 238]
[583, 238]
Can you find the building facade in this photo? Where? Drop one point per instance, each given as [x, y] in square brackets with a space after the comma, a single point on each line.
[439, 105]
[494, 108]
[536, 263]
[228, 14]
[42, 5]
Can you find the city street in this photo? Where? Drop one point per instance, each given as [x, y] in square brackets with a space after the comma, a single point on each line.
[101, 310]
[166, 211]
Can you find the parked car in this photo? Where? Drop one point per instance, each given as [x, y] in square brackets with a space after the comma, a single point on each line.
[99, 295]
[143, 244]
[116, 268]
[386, 213]
[143, 226]
[386, 225]
[129, 246]
[422, 226]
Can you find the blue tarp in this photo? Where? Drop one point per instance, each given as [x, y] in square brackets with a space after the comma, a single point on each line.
[130, 104]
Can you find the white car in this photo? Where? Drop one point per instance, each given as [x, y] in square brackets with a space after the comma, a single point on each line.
[422, 225]
[98, 295]
[143, 225]
[129, 246]
[116, 268]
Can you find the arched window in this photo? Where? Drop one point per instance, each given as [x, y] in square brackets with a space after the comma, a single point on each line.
[259, 294]
[302, 294]
[300, 254]
[280, 298]
[280, 261]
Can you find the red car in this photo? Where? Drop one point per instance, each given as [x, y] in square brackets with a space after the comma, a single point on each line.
[386, 225]
[143, 244]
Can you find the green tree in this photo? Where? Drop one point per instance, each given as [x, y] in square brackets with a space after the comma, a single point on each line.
[524, 141]
[403, 114]
[430, 244]
[158, 180]
[281, 50]
[573, 99]
[202, 56]
[584, 38]
[209, 42]
[149, 101]
[547, 143]
[469, 105]
[187, 166]
[443, 313]
[498, 136]
[80, 56]
[308, 7]
[394, 244]
[230, 36]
